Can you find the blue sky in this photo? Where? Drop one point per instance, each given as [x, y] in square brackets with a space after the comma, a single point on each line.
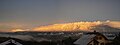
[30, 13]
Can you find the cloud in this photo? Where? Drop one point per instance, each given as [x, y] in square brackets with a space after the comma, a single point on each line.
[5, 28]
[11, 27]
[17, 30]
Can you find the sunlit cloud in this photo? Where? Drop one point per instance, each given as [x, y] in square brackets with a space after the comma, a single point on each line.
[16, 30]
[12, 26]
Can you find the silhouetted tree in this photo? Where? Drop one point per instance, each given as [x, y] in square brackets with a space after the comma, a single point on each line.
[116, 41]
[68, 41]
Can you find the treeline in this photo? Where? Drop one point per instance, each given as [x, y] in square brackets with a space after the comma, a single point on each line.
[66, 41]
[116, 41]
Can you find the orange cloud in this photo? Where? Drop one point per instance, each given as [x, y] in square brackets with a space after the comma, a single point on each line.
[16, 30]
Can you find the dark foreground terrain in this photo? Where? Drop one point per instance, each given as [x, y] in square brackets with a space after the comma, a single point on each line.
[64, 41]
[67, 41]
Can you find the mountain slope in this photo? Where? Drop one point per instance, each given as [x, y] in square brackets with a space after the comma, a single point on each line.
[105, 28]
[77, 26]
[81, 26]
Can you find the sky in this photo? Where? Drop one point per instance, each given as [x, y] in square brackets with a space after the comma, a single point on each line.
[31, 13]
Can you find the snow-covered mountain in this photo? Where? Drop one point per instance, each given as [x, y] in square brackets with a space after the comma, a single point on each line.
[82, 26]
[105, 28]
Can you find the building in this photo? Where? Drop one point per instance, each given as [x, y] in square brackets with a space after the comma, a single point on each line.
[110, 37]
[92, 38]
[10, 42]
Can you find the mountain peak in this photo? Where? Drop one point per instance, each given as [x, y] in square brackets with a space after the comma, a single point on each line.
[78, 26]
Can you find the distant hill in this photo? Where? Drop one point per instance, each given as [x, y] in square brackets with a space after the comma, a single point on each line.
[105, 28]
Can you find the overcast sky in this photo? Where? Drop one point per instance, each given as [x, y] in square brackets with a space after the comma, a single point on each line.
[30, 13]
